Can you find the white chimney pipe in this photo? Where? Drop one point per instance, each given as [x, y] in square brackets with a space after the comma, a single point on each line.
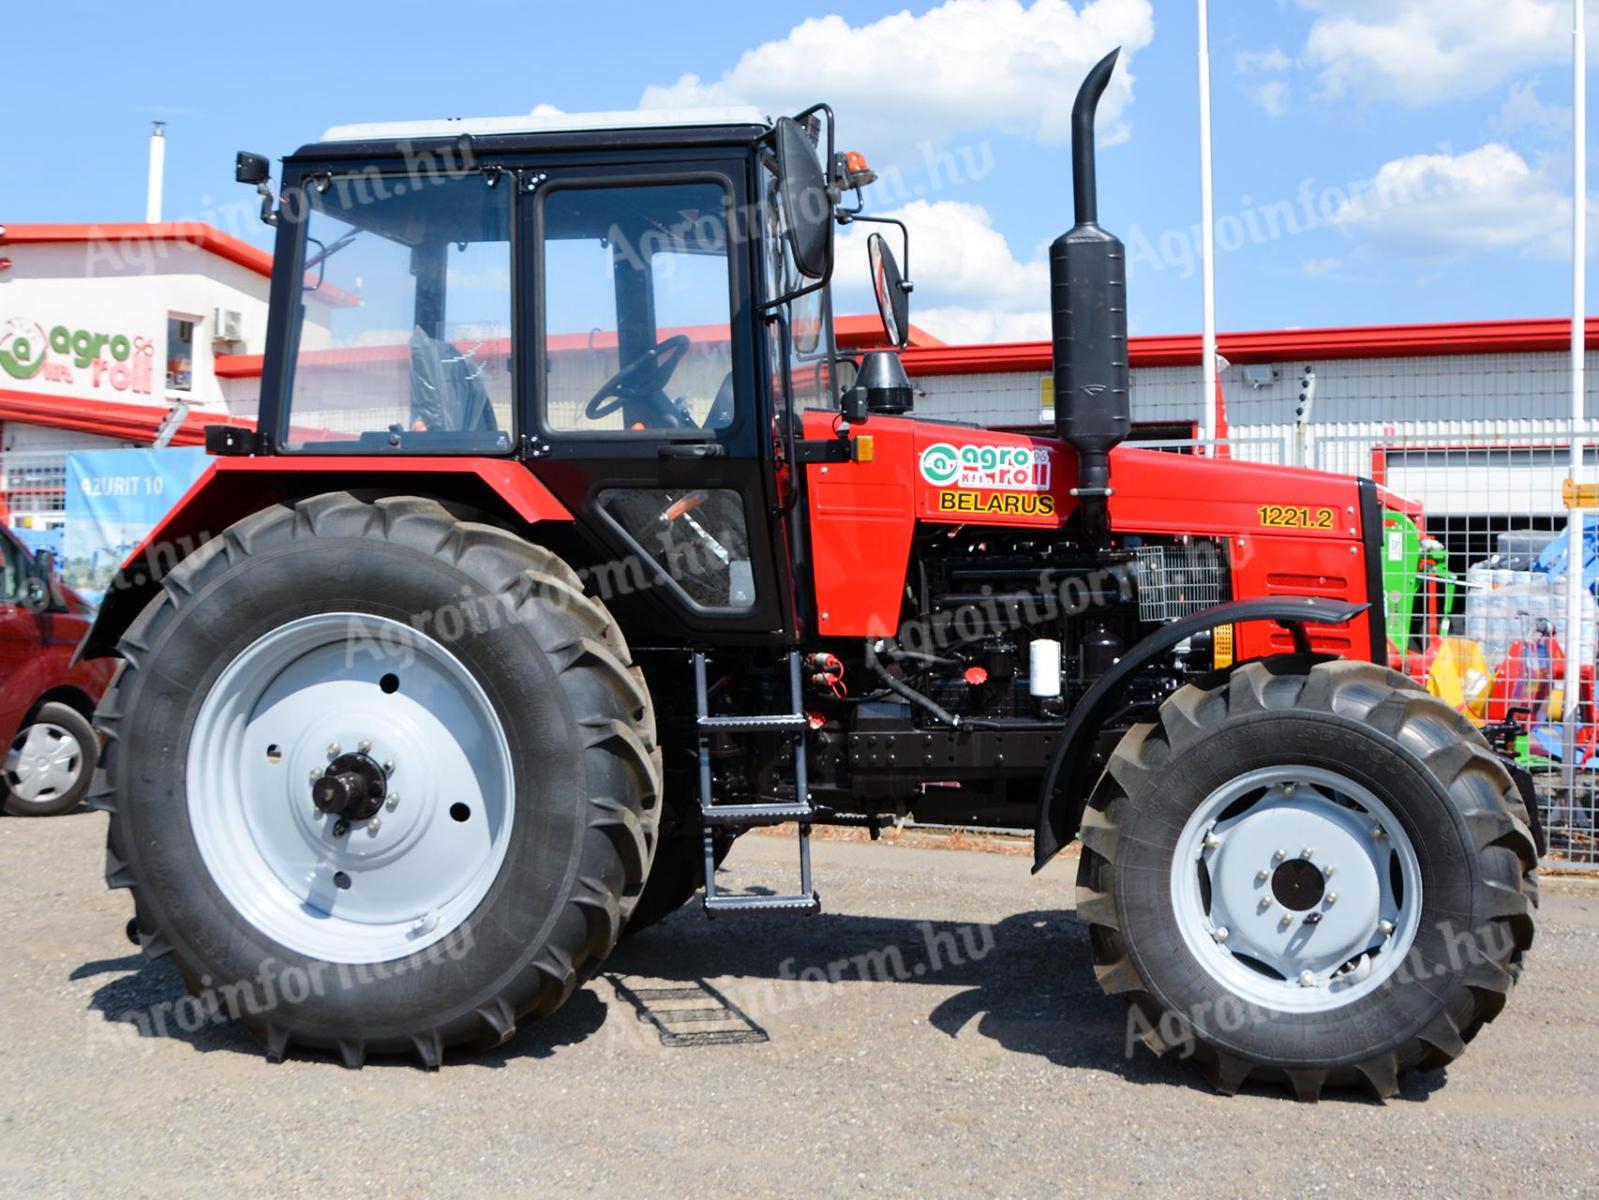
[158, 160]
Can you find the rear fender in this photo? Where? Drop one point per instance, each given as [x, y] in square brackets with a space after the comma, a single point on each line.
[233, 488]
[1071, 773]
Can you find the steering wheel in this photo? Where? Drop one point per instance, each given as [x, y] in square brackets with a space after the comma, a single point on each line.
[643, 381]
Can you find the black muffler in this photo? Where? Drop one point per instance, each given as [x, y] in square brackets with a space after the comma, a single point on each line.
[1088, 310]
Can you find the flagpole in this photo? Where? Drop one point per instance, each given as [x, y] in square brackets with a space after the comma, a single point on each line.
[1207, 243]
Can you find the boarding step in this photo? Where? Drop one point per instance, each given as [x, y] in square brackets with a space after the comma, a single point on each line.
[757, 723]
[751, 815]
[717, 905]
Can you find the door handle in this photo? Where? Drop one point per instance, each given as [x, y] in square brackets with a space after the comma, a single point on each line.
[693, 450]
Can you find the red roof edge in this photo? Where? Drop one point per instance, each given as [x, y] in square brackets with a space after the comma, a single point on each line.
[194, 233]
[1277, 345]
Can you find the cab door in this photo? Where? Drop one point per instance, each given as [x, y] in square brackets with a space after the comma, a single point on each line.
[647, 413]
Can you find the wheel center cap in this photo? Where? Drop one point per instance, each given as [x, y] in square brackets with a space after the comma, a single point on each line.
[353, 787]
[1298, 885]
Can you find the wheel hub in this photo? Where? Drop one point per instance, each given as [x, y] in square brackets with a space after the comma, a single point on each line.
[354, 787]
[1286, 893]
[1298, 885]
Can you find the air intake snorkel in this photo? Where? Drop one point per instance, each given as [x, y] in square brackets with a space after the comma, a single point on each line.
[1088, 314]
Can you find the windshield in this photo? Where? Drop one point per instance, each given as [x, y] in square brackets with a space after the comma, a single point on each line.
[810, 316]
[402, 334]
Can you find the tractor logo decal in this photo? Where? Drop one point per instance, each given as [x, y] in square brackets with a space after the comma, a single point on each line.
[22, 348]
[987, 468]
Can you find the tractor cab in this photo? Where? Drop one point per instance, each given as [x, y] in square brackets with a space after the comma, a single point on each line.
[640, 305]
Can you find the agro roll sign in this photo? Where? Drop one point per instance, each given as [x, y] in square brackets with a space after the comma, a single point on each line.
[1003, 480]
[112, 362]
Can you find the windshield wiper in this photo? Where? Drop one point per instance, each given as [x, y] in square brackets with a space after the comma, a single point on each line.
[329, 251]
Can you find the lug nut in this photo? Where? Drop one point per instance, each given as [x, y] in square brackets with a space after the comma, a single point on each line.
[1219, 933]
[1211, 841]
[333, 750]
[373, 826]
[394, 801]
[1332, 898]
[341, 827]
[1307, 979]
[1262, 876]
[1378, 832]
[1285, 922]
[364, 746]
[1386, 928]
[1279, 856]
[1328, 870]
[388, 766]
[315, 774]
[1265, 903]
[1289, 789]
[1307, 852]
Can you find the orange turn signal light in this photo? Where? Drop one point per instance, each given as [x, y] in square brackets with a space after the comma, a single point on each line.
[862, 448]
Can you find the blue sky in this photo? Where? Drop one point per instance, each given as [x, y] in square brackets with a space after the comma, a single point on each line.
[1376, 160]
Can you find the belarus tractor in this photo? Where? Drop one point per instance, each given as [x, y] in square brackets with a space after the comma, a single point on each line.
[568, 547]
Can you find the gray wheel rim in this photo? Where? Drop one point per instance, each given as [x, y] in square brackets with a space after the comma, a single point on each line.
[45, 763]
[288, 705]
[1296, 889]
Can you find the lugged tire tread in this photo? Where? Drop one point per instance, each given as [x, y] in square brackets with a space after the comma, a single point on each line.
[621, 842]
[1389, 702]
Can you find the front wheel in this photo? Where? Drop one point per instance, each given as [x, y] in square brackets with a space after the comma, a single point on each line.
[1308, 872]
[381, 779]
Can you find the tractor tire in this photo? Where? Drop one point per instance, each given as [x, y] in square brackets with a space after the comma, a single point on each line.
[679, 869]
[382, 780]
[50, 765]
[1307, 872]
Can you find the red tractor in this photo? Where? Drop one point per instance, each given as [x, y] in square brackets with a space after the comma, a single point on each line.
[568, 548]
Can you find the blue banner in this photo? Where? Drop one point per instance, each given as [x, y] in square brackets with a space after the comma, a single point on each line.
[114, 499]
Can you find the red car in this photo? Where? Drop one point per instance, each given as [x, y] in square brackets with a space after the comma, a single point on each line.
[45, 701]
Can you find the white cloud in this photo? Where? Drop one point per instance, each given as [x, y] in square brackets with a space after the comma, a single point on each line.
[1317, 267]
[1522, 110]
[1270, 61]
[1442, 207]
[965, 67]
[1270, 96]
[1423, 51]
[967, 326]
[980, 290]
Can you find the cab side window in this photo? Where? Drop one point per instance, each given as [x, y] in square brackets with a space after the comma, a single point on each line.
[638, 309]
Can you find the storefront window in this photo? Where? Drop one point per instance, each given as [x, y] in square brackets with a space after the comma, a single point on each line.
[180, 354]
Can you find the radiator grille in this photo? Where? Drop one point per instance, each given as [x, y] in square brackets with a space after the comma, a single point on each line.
[1179, 580]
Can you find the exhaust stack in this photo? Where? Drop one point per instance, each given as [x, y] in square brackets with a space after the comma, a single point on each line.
[1088, 312]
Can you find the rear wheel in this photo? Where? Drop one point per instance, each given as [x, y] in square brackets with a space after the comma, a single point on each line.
[1308, 873]
[50, 763]
[381, 779]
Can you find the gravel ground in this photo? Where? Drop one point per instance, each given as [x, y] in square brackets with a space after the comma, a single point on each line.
[983, 1061]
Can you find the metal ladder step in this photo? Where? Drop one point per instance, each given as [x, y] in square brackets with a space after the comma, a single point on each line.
[804, 905]
[755, 814]
[759, 723]
[747, 816]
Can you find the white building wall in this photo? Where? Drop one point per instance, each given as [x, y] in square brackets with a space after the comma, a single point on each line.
[128, 289]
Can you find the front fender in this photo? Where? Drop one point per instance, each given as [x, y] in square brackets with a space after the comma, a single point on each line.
[233, 488]
[1070, 775]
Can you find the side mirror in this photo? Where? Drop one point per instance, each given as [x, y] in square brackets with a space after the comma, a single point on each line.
[806, 200]
[893, 293]
[251, 168]
[38, 592]
[255, 170]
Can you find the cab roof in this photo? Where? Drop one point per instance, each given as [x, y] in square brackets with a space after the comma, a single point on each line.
[548, 122]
